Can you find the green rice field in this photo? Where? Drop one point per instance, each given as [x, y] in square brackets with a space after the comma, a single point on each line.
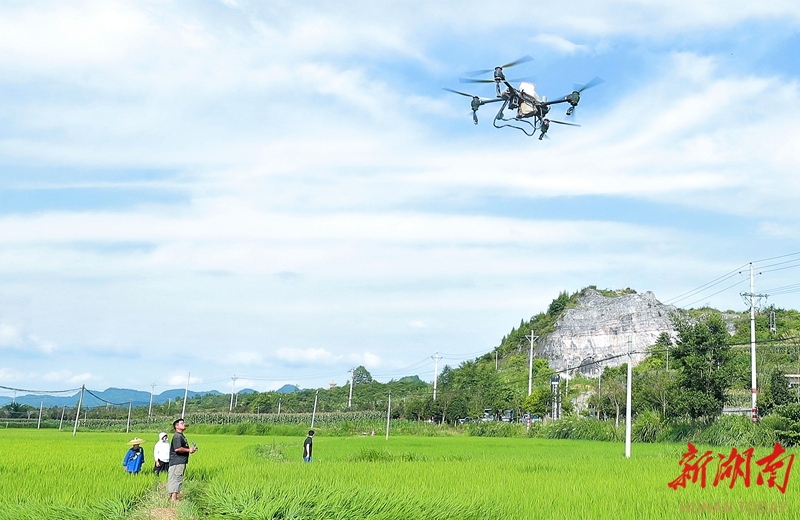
[50, 474]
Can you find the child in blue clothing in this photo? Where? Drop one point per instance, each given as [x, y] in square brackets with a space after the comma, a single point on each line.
[135, 457]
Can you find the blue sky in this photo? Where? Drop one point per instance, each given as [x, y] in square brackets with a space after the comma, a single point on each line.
[283, 191]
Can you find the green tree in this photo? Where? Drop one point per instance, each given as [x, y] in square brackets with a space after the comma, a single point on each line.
[559, 304]
[777, 393]
[702, 356]
[779, 389]
[540, 402]
[361, 375]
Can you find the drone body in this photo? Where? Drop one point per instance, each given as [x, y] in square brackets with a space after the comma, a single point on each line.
[527, 105]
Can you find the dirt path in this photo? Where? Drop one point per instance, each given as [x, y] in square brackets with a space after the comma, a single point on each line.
[157, 506]
[163, 513]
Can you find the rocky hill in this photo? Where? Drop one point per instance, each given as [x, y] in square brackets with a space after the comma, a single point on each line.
[600, 327]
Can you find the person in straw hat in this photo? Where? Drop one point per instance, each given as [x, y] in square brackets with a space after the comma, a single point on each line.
[135, 457]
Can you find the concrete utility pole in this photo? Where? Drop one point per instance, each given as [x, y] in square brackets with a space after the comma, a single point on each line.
[436, 359]
[186, 395]
[233, 387]
[530, 362]
[61, 423]
[752, 298]
[150, 408]
[628, 404]
[599, 379]
[78, 411]
[350, 398]
[388, 414]
[314, 414]
[39, 424]
[130, 407]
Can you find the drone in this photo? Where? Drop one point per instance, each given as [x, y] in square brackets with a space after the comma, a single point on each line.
[529, 107]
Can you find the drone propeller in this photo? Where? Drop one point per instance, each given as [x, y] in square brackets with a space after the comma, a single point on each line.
[574, 97]
[562, 122]
[461, 93]
[475, 104]
[516, 80]
[523, 59]
[593, 83]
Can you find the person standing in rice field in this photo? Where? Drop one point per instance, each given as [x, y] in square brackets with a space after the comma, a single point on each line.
[308, 446]
[161, 454]
[134, 458]
[179, 452]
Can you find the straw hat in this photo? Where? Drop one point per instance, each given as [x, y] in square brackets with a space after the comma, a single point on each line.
[136, 440]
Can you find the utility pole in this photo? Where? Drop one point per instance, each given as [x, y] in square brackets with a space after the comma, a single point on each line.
[78, 411]
[350, 398]
[150, 409]
[186, 395]
[61, 423]
[752, 298]
[495, 361]
[279, 405]
[233, 386]
[533, 338]
[436, 359]
[130, 407]
[388, 414]
[599, 378]
[314, 413]
[628, 404]
[39, 424]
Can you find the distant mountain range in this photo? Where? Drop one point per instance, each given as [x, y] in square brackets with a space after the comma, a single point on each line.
[121, 396]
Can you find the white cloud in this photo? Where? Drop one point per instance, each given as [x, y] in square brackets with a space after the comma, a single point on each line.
[310, 141]
[10, 375]
[9, 335]
[309, 356]
[244, 358]
[59, 375]
[86, 377]
[180, 380]
[559, 43]
[16, 338]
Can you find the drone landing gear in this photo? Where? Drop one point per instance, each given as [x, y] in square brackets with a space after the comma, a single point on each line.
[501, 117]
[543, 128]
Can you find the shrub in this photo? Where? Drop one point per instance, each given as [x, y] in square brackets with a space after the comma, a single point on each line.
[736, 430]
[574, 427]
[647, 427]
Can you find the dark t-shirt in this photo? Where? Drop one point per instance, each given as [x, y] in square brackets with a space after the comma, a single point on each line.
[178, 441]
[308, 443]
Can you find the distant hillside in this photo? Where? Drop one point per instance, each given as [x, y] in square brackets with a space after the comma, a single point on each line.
[121, 396]
[288, 389]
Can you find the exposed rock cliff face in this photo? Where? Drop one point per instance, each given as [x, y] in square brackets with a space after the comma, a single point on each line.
[600, 327]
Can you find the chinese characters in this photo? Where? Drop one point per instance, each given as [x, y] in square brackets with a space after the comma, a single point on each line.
[774, 468]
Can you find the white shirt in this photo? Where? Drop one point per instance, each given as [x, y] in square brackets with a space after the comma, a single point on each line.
[161, 451]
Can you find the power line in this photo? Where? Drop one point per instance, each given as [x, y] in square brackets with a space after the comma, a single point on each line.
[40, 391]
[714, 294]
[705, 286]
